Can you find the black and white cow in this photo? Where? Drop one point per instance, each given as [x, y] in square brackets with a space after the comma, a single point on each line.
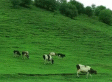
[85, 69]
[25, 54]
[48, 58]
[57, 54]
[16, 53]
[60, 55]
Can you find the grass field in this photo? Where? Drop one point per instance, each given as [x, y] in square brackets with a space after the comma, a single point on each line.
[84, 40]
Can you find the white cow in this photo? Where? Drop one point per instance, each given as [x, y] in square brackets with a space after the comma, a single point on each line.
[86, 69]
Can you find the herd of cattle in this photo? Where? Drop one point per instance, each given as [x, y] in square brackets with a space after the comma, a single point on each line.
[24, 54]
[48, 58]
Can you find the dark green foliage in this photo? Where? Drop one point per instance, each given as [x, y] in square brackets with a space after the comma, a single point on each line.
[79, 6]
[88, 11]
[63, 7]
[25, 3]
[98, 9]
[39, 3]
[51, 5]
[68, 10]
[46, 4]
[15, 3]
[58, 4]
[93, 6]
[106, 16]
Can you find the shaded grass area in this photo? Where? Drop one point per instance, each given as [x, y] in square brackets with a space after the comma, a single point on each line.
[55, 78]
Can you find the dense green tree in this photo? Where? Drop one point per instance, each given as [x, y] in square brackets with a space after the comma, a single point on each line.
[79, 6]
[47, 4]
[50, 5]
[93, 6]
[69, 10]
[98, 9]
[63, 7]
[106, 16]
[89, 11]
[39, 3]
[25, 3]
[15, 3]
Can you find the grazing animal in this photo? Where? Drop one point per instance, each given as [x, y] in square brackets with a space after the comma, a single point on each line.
[48, 58]
[60, 55]
[16, 53]
[52, 53]
[25, 54]
[85, 69]
[57, 54]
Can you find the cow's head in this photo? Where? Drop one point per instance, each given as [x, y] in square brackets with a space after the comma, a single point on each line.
[92, 71]
[95, 72]
[27, 56]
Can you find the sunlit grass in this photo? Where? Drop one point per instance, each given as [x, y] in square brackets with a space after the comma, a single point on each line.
[83, 40]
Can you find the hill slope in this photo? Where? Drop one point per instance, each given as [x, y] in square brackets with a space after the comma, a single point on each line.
[84, 40]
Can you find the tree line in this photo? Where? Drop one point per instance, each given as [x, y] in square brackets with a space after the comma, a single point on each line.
[70, 9]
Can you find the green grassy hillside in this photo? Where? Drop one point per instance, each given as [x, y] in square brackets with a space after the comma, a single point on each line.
[84, 40]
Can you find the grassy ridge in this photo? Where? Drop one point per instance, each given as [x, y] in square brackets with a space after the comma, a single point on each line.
[83, 40]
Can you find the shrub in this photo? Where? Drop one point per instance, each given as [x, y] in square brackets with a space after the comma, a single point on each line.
[63, 7]
[50, 5]
[89, 11]
[79, 6]
[25, 3]
[105, 16]
[15, 3]
[39, 3]
[46, 4]
[98, 9]
[69, 10]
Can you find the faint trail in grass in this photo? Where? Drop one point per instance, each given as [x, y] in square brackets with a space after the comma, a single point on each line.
[63, 74]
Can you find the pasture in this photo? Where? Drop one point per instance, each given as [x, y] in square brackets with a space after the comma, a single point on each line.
[38, 31]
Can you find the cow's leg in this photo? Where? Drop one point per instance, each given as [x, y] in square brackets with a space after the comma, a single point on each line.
[87, 74]
[45, 61]
[23, 56]
[78, 71]
[51, 61]
[15, 54]
[90, 75]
